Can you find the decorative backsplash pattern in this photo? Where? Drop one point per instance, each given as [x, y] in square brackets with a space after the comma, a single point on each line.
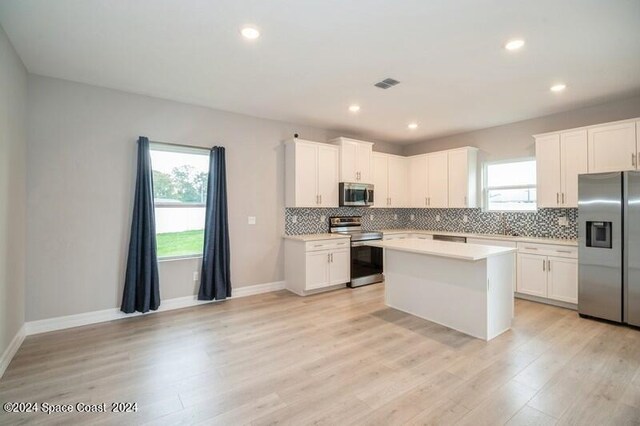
[543, 223]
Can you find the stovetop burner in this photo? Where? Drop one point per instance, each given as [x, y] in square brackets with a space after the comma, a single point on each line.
[352, 226]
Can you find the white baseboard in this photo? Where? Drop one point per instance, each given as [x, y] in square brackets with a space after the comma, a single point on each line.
[11, 350]
[69, 321]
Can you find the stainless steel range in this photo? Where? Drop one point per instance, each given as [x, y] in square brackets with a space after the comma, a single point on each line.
[366, 261]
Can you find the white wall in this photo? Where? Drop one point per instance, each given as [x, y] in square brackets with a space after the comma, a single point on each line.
[81, 165]
[13, 146]
[514, 140]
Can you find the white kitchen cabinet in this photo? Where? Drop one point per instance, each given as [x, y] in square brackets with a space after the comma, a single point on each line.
[311, 174]
[380, 171]
[418, 190]
[390, 180]
[574, 162]
[560, 158]
[612, 147]
[355, 160]
[462, 178]
[340, 266]
[548, 173]
[532, 275]
[548, 271]
[437, 180]
[562, 276]
[317, 265]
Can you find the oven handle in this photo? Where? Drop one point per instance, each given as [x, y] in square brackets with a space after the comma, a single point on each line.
[361, 243]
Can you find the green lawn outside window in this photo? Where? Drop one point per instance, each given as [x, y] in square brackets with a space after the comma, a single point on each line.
[186, 243]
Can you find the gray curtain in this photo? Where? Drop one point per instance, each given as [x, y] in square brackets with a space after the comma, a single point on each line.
[141, 287]
[215, 279]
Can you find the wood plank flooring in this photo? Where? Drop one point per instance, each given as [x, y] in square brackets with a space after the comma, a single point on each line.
[338, 358]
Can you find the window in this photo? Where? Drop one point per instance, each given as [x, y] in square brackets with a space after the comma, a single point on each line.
[510, 186]
[179, 191]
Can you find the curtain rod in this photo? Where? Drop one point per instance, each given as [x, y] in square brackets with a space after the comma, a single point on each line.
[204, 148]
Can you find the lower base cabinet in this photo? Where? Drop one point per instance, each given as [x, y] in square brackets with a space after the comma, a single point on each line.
[551, 273]
[316, 265]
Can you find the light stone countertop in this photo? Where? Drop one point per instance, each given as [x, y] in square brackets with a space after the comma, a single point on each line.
[316, 237]
[540, 240]
[470, 252]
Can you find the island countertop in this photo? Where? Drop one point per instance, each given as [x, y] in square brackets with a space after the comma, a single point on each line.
[470, 252]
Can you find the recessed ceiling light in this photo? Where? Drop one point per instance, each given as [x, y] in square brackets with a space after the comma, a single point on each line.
[413, 126]
[250, 33]
[558, 87]
[354, 108]
[514, 44]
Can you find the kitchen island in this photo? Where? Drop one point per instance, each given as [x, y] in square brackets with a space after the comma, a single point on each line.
[466, 287]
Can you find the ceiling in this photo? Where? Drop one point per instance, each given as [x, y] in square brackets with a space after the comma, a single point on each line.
[316, 57]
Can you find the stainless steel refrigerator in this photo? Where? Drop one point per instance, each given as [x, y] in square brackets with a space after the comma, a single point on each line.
[609, 246]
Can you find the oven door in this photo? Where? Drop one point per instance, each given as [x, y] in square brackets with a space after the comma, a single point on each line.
[366, 264]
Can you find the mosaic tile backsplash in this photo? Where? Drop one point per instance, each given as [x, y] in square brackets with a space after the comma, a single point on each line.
[543, 223]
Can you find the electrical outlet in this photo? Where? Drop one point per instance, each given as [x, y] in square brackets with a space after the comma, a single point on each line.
[412, 217]
[437, 218]
[563, 221]
[465, 218]
[370, 217]
[323, 218]
[395, 217]
[294, 219]
[251, 220]
[195, 275]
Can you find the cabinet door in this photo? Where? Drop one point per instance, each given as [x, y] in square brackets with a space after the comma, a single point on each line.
[612, 148]
[573, 156]
[306, 175]
[532, 274]
[437, 180]
[548, 171]
[380, 180]
[563, 279]
[458, 172]
[348, 155]
[328, 160]
[418, 181]
[398, 181]
[317, 269]
[340, 267]
[363, 162]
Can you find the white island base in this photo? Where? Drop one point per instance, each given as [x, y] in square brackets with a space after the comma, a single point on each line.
[465, 287]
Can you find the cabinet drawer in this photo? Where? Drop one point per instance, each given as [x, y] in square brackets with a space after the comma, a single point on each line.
[548, 250]
[327, 244]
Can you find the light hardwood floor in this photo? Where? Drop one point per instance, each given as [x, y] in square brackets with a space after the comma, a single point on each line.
[337, 358]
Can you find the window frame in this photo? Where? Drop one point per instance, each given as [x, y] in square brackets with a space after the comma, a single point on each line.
[486, 188]
[178, 149]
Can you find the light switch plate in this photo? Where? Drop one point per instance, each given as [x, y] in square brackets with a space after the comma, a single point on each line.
[395, 217]
[437, 218]
[412, 217]
[465, 218]
[563, 221]
[294, 219]
[195, 275]
[251, 220]
[323, 218]
[370, 217]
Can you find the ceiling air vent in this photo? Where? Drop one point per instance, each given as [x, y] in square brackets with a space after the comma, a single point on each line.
[386, 83]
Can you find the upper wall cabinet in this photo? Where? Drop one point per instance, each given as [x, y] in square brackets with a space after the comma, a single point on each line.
[612, 147]
[463, 172]
[444, 179]
[355, 160]
[390, 180]
[311, 175]
[560, 158]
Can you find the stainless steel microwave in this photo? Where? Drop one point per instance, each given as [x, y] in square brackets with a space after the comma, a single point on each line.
[356, 194]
